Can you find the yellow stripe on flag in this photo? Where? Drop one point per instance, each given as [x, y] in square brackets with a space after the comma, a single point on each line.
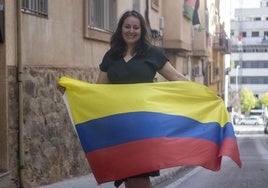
[190, 99]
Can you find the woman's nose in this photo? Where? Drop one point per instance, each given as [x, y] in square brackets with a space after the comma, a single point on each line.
[131, 29]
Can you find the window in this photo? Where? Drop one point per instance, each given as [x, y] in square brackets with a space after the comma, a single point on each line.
[254, 64]
[247, 64]
[102, 15]
[185, 66]
[257, 18]
[244, 34]
[251, 80]
[208, 76]
[254, 80]
[196, 71]
[255, 34]
[37, 7]
[217, 71]
[100, 19]
[265, 34]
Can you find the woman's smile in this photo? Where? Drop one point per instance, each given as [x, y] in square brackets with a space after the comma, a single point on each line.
[131, 30]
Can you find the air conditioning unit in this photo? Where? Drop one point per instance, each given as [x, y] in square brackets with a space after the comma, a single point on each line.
[161, 23]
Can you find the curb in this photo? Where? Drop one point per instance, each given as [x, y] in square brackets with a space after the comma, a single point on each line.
[89, 180]
[166, 174]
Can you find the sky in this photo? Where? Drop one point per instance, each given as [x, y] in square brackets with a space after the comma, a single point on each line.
[244, 4]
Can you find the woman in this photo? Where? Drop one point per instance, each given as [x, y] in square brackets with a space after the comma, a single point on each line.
[132, 59]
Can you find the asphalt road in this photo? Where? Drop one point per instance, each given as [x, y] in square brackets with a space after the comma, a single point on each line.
[253, 174]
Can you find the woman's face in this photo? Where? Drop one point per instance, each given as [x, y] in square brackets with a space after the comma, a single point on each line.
[131, 30]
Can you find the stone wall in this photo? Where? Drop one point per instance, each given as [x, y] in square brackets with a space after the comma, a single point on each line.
[51, 148]
[12, 128]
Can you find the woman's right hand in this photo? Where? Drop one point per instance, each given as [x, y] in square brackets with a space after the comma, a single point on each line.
[61, 89]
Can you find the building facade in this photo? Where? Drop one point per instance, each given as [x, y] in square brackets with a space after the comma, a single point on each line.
[42, 40]
[249, 57]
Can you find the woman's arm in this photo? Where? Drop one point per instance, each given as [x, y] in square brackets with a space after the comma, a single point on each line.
[103, 78]
[171, 74]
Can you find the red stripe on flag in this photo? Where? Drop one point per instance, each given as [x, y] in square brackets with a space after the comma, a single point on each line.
[126, 160]
[228, 147]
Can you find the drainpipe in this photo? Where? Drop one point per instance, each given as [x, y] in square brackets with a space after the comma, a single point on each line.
[147, 19]
[20, 98]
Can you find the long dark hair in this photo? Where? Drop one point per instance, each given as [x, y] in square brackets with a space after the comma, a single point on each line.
[118, 45]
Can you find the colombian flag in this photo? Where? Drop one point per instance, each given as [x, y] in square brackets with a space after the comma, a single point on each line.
[130, 129]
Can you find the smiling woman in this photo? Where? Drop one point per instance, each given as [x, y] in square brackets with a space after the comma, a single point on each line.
[132, 59]
[131, 32]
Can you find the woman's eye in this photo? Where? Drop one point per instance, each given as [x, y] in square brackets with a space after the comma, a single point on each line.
[129, 27]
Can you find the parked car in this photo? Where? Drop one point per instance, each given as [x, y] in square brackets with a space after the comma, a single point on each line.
[251, 121]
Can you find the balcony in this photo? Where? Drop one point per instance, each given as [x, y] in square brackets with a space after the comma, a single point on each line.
[200, 44]
[221, 42]
[257, 48]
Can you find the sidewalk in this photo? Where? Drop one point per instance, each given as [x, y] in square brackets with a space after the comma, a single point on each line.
[89, 181]
[248, 129]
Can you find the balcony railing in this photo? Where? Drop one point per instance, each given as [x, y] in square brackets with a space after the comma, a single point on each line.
[260, 48]
[37, 7]
[221, 42]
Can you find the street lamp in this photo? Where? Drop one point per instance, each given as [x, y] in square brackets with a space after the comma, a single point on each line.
[236, 77]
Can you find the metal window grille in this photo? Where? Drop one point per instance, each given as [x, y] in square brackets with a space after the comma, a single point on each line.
[37, 7]
[102, 14]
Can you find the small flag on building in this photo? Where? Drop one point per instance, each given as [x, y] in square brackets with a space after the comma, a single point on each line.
[191, 9]
[130, 129]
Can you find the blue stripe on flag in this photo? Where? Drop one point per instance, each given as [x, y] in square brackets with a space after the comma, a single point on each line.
[122, 128]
